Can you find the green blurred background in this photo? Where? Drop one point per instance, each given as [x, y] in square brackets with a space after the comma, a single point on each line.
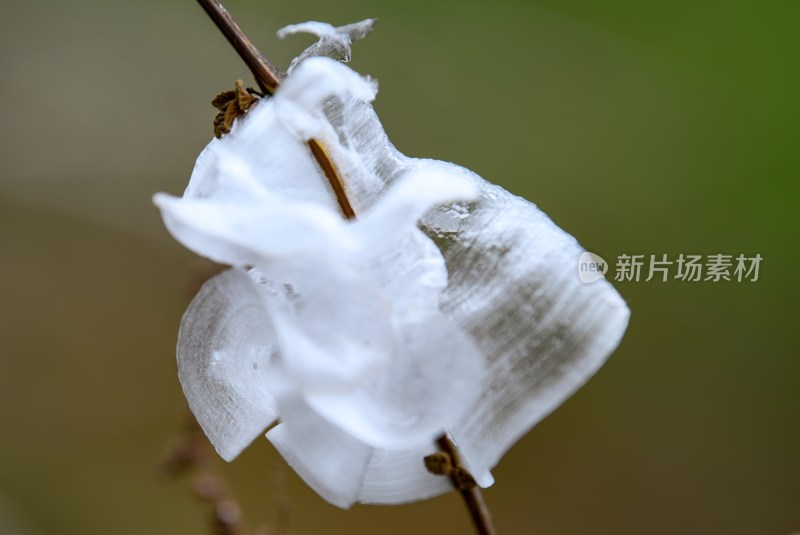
[639, 127]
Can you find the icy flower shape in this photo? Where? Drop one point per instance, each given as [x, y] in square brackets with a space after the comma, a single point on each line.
[448, 305]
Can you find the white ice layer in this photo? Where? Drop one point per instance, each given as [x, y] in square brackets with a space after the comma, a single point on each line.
[448, 305]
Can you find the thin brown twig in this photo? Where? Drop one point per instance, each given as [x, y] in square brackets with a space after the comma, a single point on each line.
[473, 497]
[267, 76]
[268, 79]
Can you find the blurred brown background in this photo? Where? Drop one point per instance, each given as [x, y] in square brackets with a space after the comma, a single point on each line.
[640, 127]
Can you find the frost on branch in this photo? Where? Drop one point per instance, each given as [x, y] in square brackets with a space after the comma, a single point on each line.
[448, 305]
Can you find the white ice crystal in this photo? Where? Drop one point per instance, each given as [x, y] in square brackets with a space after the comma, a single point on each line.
[447, 305]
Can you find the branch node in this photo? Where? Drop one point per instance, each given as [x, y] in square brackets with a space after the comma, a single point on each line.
[439, 463]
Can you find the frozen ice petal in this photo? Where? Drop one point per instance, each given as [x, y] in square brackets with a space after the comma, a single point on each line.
[334, 42]
[270, 141]
[225, 346]
[277, 159]
[406, 201]
[412, 275]
[436, 375]
[334, 325]
[254, 231]
[514, 287]
[300, 100]
[344, 470]
[399, 476]
[329, 460]
[358, 30]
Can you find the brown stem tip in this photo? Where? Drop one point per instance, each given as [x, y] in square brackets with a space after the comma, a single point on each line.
[447, 461]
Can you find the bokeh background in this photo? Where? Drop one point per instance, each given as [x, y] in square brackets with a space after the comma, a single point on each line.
[640, 127]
